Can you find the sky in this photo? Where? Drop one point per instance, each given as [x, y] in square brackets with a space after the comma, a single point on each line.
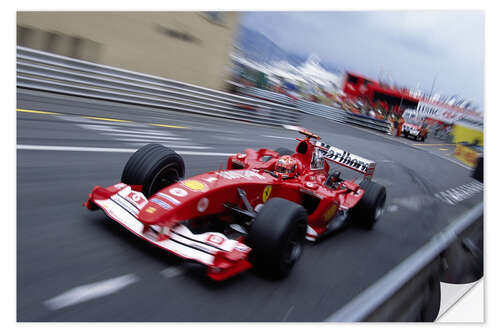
[414, 47]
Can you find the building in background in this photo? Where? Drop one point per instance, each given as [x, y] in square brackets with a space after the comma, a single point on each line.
[192, 47]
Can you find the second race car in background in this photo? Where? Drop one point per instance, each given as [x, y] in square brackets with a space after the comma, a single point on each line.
[416, 129]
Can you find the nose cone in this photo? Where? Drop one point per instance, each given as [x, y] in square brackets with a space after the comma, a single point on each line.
[173, 204]
[157, 212]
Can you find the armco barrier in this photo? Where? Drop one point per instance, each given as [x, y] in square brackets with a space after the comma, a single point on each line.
[321, 110]
[411, 291]
[317, 109]
[54, 73]
[268, 95]
[368, 122]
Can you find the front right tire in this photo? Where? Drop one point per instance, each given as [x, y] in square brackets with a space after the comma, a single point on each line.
[277, 237]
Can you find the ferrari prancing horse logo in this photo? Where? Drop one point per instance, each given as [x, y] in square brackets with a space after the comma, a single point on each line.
[266, 193]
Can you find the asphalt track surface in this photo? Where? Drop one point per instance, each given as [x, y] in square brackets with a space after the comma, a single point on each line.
[62, 246]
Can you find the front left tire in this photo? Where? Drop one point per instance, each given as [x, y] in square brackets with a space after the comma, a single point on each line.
[154, 167]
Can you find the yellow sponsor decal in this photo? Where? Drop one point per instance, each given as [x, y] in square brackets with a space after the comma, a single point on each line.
[466, 155]
[150, 210]
[330, 213]
[266, 193]
[194, 185]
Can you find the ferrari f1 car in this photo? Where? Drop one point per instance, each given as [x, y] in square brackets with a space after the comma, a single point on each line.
[256, 212]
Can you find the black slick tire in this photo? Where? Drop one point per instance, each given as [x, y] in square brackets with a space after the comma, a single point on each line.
[277, 237]
[371, 206]
[154, 167]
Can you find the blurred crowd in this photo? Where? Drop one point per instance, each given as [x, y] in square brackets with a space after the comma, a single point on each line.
[327, 94]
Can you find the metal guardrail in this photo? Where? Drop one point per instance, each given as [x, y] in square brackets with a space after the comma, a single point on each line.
[54, 73]
[368, 122]
[317, 109]
[321, 110]
[268, 95]
[411, 291]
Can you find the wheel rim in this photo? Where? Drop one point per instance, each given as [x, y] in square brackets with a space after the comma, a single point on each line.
[379, 210]
[293, 247]
[163, 178]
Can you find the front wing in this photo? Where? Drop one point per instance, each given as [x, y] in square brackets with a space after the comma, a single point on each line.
[224, 257]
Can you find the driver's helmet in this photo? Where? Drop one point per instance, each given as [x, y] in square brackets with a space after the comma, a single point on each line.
[286, 166]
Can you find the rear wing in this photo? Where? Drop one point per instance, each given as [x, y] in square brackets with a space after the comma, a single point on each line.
[346, 159]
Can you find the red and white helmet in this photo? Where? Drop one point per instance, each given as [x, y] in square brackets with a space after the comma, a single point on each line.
[286, 166]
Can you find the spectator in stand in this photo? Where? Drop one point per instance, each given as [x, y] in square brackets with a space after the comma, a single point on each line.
[394, 120]
[400, 126]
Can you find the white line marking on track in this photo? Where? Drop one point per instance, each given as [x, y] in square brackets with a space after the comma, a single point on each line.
[288, 313]
[460, 193]
[131, 131]
[151, 140]
[83, 120]
[172, 272]
[278, 137]
[165, 143]
[90, 291]
[111, 150]
[146, 137]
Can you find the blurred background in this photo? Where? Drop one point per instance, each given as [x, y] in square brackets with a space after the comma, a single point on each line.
[92, 87]
[228, 51]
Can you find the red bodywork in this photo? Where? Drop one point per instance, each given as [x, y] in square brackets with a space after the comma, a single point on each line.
[415, 130]
[159, 219]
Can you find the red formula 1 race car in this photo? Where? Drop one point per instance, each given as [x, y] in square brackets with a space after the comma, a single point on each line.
[256, 212]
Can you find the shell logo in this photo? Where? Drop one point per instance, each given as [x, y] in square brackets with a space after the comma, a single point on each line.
[194, 185]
